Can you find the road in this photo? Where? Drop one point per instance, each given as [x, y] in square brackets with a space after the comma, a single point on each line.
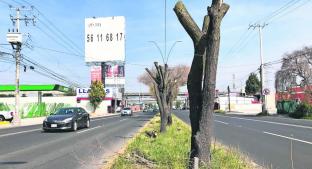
[30, 148]
[266, 140]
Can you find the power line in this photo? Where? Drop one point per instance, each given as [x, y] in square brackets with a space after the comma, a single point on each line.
[61, 41]
[56, 28]
[245, 37]
[290, 11]
[57, 51]
[5, 2]
[52, 73]
[278, 11]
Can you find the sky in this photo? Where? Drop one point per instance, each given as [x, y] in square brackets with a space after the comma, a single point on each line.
[287, 30]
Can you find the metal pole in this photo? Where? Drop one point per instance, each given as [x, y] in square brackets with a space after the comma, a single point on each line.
[262, 71]
[229, 97]
[115, 80]
[165, 29]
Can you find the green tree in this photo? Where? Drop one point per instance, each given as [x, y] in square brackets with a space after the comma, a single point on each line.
[96, 94]
[252, 84]
[178, 104]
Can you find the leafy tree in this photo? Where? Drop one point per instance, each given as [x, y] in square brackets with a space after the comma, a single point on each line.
[71, 92]
[252, 84]
[178, 104]
[96, 94]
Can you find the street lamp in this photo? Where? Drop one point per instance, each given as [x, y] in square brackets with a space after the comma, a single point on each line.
[171, 49]
[165, 57]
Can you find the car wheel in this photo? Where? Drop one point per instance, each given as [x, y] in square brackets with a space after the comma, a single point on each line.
[88, 123]
[74, 127]
[45, 130]
[2, 118]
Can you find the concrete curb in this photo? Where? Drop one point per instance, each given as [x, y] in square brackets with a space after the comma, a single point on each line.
[109, 163]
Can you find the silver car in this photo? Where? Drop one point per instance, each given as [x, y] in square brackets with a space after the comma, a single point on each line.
[126, 111]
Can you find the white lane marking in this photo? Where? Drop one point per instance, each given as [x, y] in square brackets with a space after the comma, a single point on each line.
[102, 118]
[122, 119]
[27, 131]
[89, 129]
[290, 138]
[283, 124]
[222, 122]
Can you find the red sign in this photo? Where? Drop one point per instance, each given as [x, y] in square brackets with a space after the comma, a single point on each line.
[115, 71]
[96, 73]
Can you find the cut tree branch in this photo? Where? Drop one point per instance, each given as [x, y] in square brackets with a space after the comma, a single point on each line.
[187, 21]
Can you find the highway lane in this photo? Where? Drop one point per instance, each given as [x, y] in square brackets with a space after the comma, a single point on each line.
[29, 147]
[266, 140]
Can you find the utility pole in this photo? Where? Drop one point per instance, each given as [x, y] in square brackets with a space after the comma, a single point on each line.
[15, 39]
[229, 97]
[234, 86]
[260, 27]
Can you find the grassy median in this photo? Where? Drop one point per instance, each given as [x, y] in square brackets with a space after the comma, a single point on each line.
[170, 150]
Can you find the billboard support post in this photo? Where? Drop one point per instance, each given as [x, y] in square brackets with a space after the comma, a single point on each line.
[103, 66]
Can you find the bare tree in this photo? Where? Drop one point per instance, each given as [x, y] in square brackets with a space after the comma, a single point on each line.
[296, 64]
[202, 76]
[160, 83]
[177, 77]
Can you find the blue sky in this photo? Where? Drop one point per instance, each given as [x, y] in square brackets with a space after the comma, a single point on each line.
[145, 22]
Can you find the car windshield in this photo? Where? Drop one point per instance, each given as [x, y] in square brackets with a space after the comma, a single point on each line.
[127, 108]
[66, 111]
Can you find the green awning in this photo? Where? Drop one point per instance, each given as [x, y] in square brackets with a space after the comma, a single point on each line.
[48, 87]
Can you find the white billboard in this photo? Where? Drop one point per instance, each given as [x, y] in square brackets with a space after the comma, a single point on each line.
[105, 39]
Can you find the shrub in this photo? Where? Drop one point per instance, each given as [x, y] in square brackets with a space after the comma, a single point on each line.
[302, 110]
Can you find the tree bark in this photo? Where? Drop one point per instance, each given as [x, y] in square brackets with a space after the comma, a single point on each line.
[194, 82]
[216, 13]
[160, 81]
[204, 66]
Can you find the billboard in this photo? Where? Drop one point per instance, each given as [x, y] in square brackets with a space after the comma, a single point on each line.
[96, 73]
[114, 71]
[105, 39]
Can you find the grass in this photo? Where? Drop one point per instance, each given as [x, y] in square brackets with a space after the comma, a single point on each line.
[220, 111]
[170, 150]
[308, 117]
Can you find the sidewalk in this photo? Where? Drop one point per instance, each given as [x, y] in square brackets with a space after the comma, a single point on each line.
[249, 113]
[39, 120]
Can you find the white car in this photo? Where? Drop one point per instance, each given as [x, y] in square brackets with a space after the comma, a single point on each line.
[126, 111]
[6, 115]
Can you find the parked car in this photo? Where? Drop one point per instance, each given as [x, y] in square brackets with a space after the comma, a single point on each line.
[71, 118]
[118, 109]
[148, 110]
[6, 115]
[126, 111]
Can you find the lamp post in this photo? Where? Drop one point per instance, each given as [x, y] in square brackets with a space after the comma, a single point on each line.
[165, 56]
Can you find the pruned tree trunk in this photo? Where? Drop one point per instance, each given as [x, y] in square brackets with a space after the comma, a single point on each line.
[160, 81]
[202, 76]
[169, 117]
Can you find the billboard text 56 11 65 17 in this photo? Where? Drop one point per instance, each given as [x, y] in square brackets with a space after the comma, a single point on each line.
[105, 39]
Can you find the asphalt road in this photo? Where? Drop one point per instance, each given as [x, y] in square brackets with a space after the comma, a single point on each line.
[30, 148]
[266, 140]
